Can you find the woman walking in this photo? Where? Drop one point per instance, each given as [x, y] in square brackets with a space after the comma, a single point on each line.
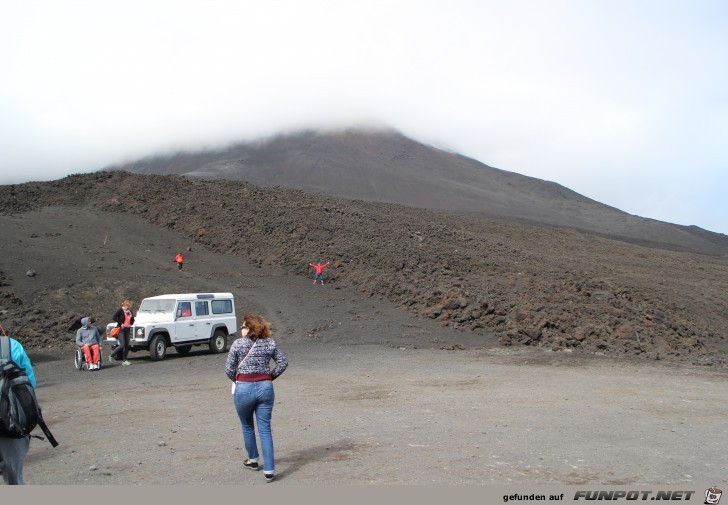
[124, 321]
[248, 366]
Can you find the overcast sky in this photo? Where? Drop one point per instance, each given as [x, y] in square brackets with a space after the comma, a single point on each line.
[623, 101]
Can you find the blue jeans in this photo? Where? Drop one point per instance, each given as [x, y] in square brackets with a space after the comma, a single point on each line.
[256, 398]
[12, 456]
[123, 347]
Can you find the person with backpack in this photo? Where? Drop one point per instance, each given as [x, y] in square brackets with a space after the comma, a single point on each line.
[89, 341]
[124, 321]
[13, 450]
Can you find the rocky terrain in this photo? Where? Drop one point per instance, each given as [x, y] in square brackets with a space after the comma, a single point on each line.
[492, 280]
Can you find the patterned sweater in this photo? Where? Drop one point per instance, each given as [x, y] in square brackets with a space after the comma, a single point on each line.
[257, 360]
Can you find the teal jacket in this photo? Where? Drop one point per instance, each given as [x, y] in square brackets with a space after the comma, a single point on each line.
[18, 355]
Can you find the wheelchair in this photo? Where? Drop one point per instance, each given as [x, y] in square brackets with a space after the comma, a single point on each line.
[80, 359]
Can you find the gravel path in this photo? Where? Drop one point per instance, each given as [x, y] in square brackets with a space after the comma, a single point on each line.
[373, 414]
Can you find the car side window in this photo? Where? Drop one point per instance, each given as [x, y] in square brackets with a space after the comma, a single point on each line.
[222, 306]
[184, 309]
[201, 309]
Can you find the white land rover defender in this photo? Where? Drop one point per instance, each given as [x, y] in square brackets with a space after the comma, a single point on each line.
[181, 321]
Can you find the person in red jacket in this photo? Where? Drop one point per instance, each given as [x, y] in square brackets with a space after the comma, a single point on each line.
[180, 259]
[319, 271]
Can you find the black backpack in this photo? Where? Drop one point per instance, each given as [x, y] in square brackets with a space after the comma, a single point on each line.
[19, 409]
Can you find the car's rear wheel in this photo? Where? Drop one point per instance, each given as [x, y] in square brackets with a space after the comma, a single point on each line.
[218, 342]
[158, 348]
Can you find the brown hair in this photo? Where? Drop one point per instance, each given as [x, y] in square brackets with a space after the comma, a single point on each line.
[257, 326]
[126, 303]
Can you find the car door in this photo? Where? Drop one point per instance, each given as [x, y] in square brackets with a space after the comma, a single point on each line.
[203, 321]
[184, 322]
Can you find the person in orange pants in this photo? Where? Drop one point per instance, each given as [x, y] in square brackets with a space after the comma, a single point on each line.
[89, 340]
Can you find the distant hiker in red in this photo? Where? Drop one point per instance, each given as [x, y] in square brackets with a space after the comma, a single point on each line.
[319, 271]
[180, 259]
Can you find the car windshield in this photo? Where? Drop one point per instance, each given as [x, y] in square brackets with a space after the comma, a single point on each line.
[157, 306]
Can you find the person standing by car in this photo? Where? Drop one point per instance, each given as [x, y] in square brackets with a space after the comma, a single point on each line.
[14, 450]
[248, 366]
[124, 321]
[89, 340]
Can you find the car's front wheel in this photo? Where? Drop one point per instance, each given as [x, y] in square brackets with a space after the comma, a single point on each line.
[218, 342]
[158, 348]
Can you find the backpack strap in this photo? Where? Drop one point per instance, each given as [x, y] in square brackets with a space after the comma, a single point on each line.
[44, 427]
[5, 348]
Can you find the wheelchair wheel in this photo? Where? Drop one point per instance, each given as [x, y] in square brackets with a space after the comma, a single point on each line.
[79, 359]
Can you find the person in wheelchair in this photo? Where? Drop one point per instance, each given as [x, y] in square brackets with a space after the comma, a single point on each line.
[88, 341]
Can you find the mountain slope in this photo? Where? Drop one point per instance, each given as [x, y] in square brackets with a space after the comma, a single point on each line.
[386, 166]
[521, 284]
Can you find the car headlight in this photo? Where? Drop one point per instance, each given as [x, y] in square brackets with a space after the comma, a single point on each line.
[140, 332]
